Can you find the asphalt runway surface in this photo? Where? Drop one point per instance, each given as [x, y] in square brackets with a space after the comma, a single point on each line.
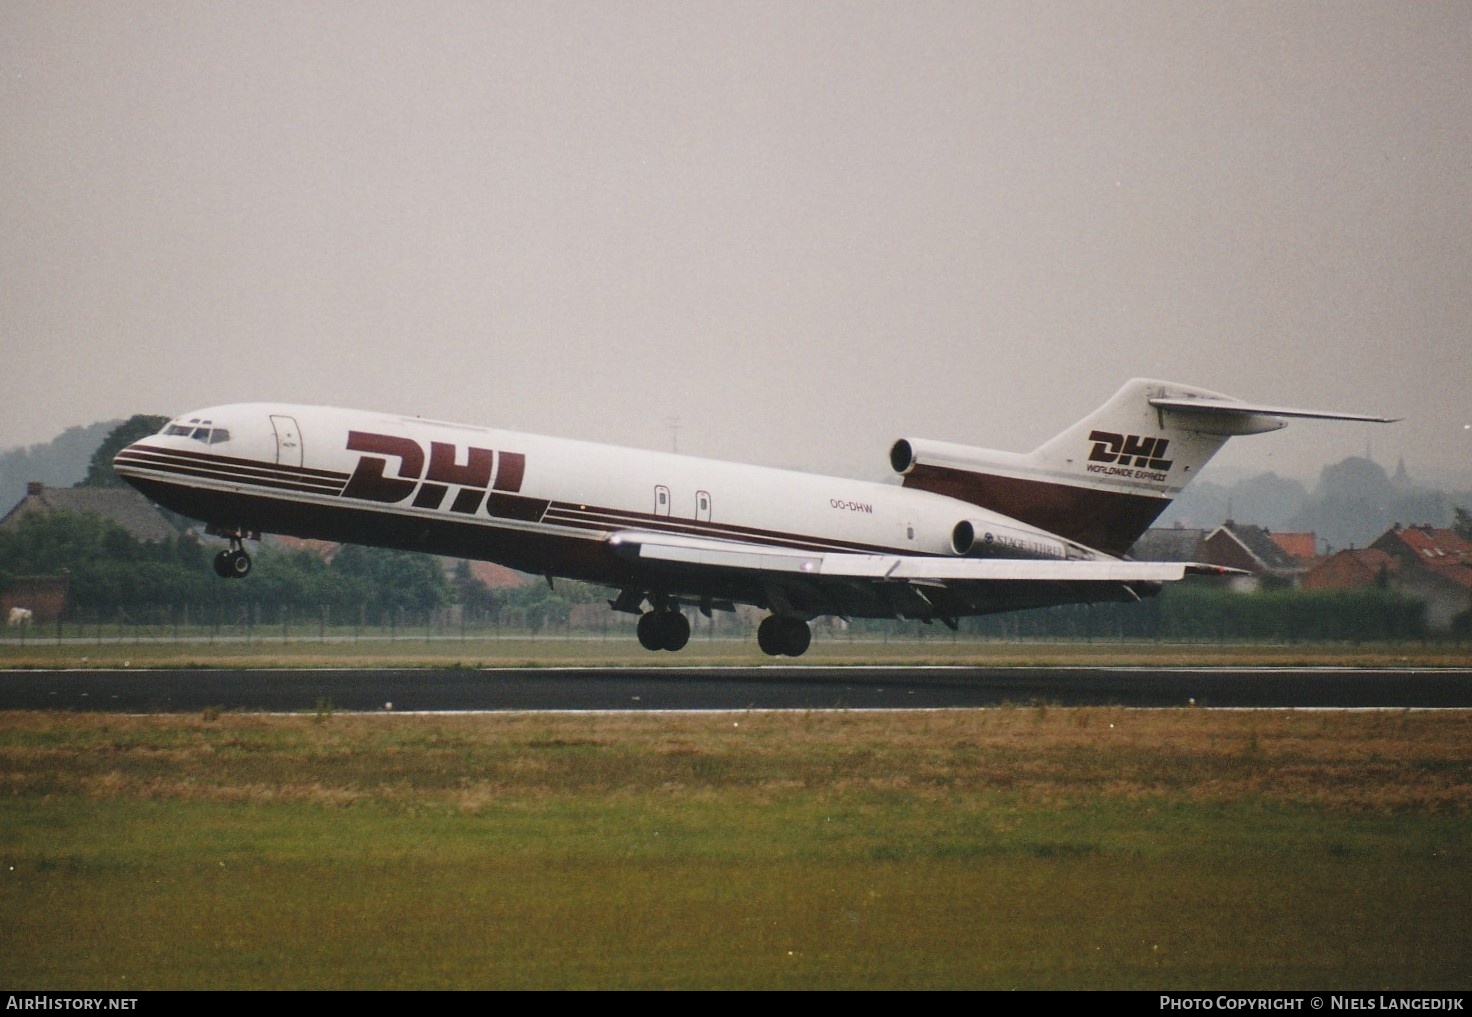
[773, 687]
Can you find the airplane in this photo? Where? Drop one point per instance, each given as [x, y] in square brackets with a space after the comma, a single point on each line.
[966, 531]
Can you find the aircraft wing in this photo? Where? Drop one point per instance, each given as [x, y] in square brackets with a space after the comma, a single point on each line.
[779, 562]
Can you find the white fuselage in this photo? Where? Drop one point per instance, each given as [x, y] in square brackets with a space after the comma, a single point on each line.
[537, 503]
[968, 531]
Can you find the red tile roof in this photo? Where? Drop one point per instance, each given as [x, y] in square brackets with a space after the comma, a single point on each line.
[1444, 552]
[1432, 545]
[497, 577]
[1351, 569]
[1303, 546]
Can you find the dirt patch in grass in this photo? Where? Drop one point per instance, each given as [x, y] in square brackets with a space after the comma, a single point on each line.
[1357, 761]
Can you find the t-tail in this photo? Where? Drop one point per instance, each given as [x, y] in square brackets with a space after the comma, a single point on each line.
[1102, 482]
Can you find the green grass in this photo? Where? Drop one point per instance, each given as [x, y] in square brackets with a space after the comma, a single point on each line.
[1014, 848]
[782, 896]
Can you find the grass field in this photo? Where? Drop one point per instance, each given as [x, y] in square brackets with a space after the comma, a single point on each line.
[1026, 847]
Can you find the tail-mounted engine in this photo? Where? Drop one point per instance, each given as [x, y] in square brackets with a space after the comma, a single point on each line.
[990, 538]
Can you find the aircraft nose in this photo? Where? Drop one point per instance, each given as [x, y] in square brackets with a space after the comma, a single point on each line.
[135, 457]
[128, 460]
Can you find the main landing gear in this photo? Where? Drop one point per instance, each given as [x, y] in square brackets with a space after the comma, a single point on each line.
[663, 629]
[783, 637]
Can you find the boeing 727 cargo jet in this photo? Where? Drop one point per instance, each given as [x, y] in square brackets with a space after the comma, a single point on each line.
[966, 531]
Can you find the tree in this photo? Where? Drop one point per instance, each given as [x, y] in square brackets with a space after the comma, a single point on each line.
[100, 472]
[106, 566]
[393, 581]
[1462, 522]
[479, 600]
[544, 607]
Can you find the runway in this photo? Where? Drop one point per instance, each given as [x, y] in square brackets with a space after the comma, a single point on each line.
[773, 687]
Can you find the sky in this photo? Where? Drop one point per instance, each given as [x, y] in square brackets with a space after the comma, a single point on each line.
[784, 233]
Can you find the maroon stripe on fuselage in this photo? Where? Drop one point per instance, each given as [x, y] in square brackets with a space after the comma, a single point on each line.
[152, 453]
[514, 506]
[538, 552]
[498, 505]
[357, 522]
[1108, 521]
[232, 470]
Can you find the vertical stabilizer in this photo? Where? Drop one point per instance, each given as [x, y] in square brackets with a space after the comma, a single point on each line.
[1104, 480]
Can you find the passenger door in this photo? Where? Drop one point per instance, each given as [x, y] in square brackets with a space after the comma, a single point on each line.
[288, 441]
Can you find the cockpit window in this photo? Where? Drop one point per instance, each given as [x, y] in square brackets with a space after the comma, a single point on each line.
[199, 430]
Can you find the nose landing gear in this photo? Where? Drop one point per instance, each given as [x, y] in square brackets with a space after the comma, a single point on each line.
[233, 562]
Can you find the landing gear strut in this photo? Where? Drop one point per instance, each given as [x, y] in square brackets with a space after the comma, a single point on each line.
[779, 637]
[663, 629]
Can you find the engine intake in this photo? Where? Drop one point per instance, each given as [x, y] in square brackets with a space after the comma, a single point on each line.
[908, 453]
[980, 538]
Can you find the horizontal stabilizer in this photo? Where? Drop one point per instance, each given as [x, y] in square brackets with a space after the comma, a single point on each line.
[1207, 407]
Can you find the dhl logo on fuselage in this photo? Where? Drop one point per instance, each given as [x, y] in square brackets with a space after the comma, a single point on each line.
[428, 479]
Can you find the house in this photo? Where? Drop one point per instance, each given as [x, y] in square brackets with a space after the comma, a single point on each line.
[496, 577]
[1427, 547]
[1283, 556]
[1175, 543]
[1353, 569]
[1253, 549]
[1432, 565]
[121, 505]
[1436, 566]
[46, 596]
[1301, 547]
[324, 549]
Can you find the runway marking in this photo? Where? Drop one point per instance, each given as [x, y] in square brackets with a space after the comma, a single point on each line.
[733, 711]
[802, 668]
